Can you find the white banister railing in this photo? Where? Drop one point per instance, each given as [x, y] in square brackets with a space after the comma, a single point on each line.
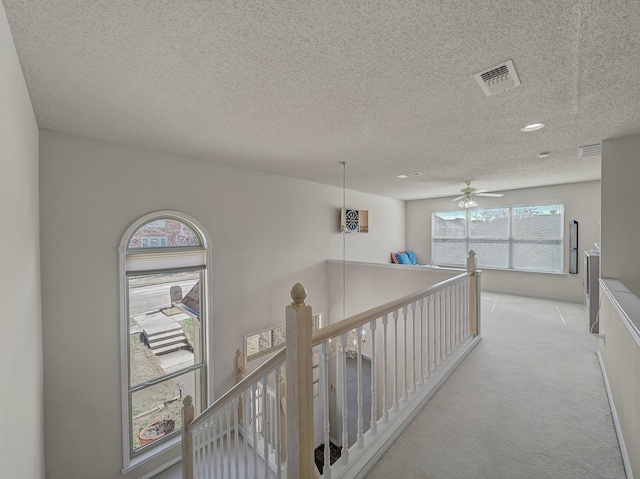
[431, 332]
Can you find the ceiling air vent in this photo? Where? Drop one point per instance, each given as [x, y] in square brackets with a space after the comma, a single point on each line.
[498, 79]
[591, 150]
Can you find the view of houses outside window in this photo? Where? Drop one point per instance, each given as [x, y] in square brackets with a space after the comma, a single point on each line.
[165, 265]
[524, 238]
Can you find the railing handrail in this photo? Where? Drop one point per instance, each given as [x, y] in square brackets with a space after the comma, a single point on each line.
[341, 327]
[265, 368]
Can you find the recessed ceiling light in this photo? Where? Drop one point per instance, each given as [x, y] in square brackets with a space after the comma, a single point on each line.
[416, 173]
[544, 154]
[532, 127]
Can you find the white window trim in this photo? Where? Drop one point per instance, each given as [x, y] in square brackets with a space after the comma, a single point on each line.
[130, 463]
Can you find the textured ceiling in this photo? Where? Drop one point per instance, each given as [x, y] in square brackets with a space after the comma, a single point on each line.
[295, 87]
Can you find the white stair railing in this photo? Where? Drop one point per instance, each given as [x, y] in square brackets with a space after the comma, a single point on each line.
[429, 334]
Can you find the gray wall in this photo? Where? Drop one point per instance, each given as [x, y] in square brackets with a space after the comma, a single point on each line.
[581, 202]
[620, 225]
[268, 232]
[21, 406]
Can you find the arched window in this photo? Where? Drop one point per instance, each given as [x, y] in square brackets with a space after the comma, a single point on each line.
[164, 299]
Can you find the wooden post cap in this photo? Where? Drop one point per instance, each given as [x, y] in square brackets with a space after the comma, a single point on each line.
[187, 401]
[298, 294]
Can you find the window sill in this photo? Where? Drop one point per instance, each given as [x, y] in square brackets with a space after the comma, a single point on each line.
[154, 453]
[489, 268]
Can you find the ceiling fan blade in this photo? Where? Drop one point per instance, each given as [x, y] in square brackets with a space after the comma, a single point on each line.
[480, 191]
[458, 198]
[494, 195]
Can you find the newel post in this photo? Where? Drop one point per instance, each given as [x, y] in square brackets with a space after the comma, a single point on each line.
[188, 414]
[299, 388]
[474, 294]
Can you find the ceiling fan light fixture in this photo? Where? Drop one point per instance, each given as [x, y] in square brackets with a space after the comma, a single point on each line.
[467, 203]
[532, 127]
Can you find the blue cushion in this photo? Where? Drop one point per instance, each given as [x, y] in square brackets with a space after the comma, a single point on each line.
[403, 258]
[412, 257]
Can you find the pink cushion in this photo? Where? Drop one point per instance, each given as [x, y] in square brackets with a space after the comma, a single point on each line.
[394, 259]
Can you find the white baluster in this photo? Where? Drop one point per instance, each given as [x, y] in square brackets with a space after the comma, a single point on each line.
[445, 314]
[449, 319]
[220, 436]
[469, 293]
[212, 449]
[228, 441]
[454, 306]
[360, 436]
[429, 338]
[324, 365]
[265, 426]
[460, 289]
[436, 332]
[197, 459]
[443, 331]
[405, 385]
[422, 341]
[246, 408]
[395, 363]
[235, 435]
[385, 405]
[254, 423]
[345, 433]
[278, 440]
[413, 347]
[374, 380]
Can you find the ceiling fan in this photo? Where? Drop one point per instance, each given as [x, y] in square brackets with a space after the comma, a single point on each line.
[467, 199]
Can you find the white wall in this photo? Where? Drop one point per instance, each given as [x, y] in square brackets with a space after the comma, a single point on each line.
[620, 261]
[21, 407]
[620, 225]
[581, 203]
[268, 232]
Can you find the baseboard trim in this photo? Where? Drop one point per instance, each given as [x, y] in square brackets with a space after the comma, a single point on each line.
[536, 296]
[616, 423]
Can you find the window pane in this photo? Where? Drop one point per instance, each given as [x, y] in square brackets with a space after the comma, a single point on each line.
[163, 338]
[538, 255]
[491, 253]
[449, 251]
[490, 223]
[450, 224]
[152, 292]
[162, 233]
[537, 222]
[160, 404]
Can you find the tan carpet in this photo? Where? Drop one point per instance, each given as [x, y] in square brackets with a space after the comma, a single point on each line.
[528, 402]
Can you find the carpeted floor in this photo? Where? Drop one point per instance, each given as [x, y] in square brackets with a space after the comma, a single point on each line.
[528, 402]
